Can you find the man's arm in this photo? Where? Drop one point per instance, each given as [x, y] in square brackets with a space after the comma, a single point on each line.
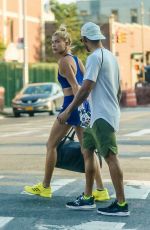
[82, 94]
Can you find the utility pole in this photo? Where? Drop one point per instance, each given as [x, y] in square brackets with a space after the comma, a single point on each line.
[43, 31]
[142, 38]
[4, 18]
[25, 47]
[112, 34]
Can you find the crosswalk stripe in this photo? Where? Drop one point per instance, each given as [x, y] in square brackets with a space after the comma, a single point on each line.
[18, 133]
[1, 177]
[95, 225]
[56, 184]
[5, 220]
[144, 158]
[135, 191]
[138, 133]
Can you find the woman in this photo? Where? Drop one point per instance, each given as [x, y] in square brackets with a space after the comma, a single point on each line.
[70, 76]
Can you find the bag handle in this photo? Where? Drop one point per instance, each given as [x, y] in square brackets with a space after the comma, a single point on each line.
[70, 135]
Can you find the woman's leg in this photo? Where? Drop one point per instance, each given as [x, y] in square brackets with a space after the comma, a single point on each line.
[57, 133]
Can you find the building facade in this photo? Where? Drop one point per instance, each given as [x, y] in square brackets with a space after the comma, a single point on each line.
[130, 44]
[22, 26]
[125, 11]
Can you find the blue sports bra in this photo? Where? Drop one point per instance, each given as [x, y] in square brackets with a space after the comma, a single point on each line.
[79, 75]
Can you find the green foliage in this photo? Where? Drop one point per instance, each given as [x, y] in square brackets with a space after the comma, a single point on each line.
[2, 49]
[67, 14]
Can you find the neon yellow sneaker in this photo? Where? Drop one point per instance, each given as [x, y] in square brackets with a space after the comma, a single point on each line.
[101, 195]
[38, 189]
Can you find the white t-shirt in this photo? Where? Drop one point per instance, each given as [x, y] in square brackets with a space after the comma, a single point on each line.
[103, 98]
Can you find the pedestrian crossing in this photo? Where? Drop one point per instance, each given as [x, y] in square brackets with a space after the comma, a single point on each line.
[137, 194]
[40, 131]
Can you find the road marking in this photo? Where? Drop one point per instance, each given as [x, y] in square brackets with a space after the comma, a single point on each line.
[95, 225]
[136, 190]
[5, 220]
[1, 177]
[57, 184]
[18, 133]
[144, 158]
[138, 133]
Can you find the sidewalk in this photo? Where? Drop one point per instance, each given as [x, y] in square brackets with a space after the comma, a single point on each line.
[6, 112]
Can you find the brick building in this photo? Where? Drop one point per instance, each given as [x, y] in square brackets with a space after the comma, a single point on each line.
[12, 28]
[130, 44]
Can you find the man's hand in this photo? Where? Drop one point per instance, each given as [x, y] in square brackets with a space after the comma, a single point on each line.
[62, 117]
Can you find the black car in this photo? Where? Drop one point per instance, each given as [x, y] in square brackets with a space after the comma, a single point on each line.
[37, 98]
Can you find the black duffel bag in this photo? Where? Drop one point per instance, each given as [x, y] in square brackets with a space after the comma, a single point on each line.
[69, 154]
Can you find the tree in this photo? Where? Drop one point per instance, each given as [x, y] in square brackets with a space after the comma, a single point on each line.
[67, 14]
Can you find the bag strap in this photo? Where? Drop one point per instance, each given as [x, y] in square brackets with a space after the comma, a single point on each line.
[70, 135]
[102, 60]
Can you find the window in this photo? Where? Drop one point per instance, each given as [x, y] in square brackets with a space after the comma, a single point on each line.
[134, 15]
[115, 13]
[83, 12]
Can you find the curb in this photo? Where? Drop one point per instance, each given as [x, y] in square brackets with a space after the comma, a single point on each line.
[4, 113]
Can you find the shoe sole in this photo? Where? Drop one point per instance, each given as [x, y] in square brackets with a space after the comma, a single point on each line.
[33, 194]
[114, 214]
[82, 207]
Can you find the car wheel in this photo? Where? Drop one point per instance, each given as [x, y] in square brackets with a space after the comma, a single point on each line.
[53, 111]
[16, 114]
[31, 114]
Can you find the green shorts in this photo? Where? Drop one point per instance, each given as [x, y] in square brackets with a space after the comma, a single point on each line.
[100, 137]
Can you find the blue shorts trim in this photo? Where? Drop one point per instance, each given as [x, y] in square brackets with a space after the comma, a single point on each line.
[74, 119]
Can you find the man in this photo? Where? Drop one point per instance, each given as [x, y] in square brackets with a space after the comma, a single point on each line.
[102, 85]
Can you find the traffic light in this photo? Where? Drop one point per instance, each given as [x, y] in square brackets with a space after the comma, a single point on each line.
[121, 37]
[136, 67]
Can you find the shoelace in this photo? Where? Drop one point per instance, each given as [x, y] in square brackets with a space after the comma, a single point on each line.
[113, 203]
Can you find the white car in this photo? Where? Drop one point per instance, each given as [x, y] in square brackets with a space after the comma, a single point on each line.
[37, 98]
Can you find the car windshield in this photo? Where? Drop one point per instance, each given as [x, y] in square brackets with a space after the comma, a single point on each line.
[38, 89]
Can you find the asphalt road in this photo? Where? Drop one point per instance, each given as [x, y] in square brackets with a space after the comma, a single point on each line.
[22, 157]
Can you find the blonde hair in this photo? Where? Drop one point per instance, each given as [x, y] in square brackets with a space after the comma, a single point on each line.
[63, 34]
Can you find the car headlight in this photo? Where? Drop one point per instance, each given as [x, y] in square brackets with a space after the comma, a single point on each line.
[42, 100]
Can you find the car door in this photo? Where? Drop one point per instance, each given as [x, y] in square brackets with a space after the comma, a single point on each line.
[58, 93]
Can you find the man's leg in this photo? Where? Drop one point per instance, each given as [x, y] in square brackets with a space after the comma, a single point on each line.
[101, 193]
[120, 206]
[116, 176]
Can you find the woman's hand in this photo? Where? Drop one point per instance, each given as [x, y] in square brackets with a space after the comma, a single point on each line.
[63, 117]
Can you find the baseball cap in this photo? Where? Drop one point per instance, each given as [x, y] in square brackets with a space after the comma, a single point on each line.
[91, 31]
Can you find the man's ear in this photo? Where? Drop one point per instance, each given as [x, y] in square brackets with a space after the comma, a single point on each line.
[85, 39]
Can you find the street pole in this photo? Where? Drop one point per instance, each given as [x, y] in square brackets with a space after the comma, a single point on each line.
[42, 31]
[4, 18]
[112, 34]
[25, 47]
[142, 38]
